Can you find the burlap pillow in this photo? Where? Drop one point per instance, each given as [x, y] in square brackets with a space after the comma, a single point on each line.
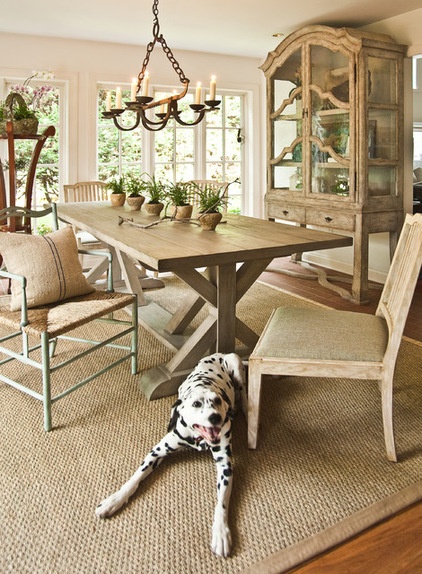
[50, 264]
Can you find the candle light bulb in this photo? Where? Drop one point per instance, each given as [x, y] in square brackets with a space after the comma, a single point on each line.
[119, 105]
[133, 89]
[198, 93]
[145, 84]
[108, 102]
[213, 88]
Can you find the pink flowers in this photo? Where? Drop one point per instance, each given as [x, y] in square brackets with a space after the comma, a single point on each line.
[34, 97]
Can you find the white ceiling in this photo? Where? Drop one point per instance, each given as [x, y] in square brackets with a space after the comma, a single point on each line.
[235, 27]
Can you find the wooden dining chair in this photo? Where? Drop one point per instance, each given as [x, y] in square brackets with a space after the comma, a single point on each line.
[50, 298]
[89, 191]
[320, 342]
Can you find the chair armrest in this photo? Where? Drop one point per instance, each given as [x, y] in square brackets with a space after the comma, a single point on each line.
[22, 279]
[109, 255]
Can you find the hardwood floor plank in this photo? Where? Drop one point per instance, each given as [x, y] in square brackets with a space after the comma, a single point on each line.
[392, 547]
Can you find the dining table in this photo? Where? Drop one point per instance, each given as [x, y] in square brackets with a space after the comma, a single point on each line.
[218, 266]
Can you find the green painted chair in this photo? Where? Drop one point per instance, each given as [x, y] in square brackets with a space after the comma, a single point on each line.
[50, 298]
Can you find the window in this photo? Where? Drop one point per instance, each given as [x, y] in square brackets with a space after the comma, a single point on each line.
[118, 152]
[211, 150]
[46, 99]
[223, 147]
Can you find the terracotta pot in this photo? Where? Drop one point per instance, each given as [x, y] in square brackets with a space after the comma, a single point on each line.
[209, 221]
[117, 199]
[154, 208]
[182, 211]
[135, 203]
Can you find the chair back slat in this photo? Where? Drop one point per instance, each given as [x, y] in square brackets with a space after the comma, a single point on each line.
[402, 277]
[211, 184]
[85, 191]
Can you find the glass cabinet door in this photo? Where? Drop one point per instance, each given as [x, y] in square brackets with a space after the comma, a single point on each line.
[287, 124]
[382, 126]
[331, 139]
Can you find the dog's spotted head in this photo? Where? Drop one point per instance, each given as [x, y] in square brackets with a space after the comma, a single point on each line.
[203, 412]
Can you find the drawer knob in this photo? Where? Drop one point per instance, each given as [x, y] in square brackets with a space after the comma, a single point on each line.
[285, 212]
[328, 219]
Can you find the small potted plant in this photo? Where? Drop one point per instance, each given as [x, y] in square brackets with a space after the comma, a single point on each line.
[117, 187]
[178, 194]
[15, 109]
[156, 193]
[211, 202]
[134, 186]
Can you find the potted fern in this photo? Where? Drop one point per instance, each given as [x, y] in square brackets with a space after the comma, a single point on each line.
[118, 194]
[178, 195]
[212, 201]
[156, 193]
[134, 186]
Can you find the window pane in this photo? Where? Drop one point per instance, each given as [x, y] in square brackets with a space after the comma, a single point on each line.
[119, 152]
[44, 98]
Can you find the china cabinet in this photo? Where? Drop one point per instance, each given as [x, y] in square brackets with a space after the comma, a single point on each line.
[10, 198]
[334, 136]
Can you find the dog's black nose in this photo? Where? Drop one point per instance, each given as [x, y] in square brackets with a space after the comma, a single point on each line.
[215, 419]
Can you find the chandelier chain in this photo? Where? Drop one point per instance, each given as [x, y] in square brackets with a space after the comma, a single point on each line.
[167, 51]
[168, 105]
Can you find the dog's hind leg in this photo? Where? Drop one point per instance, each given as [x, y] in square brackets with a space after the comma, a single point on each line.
[221, 535]
[110, 505]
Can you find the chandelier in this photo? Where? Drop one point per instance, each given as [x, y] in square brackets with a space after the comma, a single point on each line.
[167, 108]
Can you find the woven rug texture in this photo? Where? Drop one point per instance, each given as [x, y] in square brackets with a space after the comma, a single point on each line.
[320, 460]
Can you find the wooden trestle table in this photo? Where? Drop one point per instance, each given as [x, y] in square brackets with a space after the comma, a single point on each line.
[234, 256]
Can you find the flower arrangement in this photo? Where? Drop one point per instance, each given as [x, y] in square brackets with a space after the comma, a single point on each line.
[37, 96]
[22, 103]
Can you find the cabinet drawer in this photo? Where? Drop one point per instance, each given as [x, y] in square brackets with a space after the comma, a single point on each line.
[330, 218]
[287, 212]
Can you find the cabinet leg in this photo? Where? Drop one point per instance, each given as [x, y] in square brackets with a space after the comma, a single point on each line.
[360, 266]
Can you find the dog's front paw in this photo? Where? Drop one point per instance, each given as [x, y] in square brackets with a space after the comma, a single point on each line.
[110, 505]
[221, 539]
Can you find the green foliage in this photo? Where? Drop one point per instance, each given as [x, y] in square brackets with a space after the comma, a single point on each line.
[154, 189]
[210, 199]
[117, 185]
[43, 229]
[178, 193]
[134, 185]
[22, 112]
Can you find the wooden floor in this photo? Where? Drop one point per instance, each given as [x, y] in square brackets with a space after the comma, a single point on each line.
[395, 545]
[309, 288]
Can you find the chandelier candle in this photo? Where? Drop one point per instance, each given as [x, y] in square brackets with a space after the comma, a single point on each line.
[168, 106]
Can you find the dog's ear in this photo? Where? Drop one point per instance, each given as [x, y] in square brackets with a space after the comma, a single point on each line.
[230, 413]
[174, 416]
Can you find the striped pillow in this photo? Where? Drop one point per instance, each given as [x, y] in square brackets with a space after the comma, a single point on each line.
[50, 264]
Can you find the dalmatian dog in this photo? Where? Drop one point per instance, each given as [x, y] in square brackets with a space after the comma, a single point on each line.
[200, 419]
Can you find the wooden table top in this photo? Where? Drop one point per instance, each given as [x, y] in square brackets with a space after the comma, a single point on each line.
[171, 245]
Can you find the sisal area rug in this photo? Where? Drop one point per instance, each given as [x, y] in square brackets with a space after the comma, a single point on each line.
[319, 473]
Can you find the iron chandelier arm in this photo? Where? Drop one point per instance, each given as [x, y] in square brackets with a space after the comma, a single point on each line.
[143, 102]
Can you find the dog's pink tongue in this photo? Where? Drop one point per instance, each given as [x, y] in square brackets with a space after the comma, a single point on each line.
[210, 434]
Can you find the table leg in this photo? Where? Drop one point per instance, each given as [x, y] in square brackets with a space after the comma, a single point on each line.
[221, 287]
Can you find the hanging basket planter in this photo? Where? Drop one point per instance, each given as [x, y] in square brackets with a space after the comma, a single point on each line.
[23, 119]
